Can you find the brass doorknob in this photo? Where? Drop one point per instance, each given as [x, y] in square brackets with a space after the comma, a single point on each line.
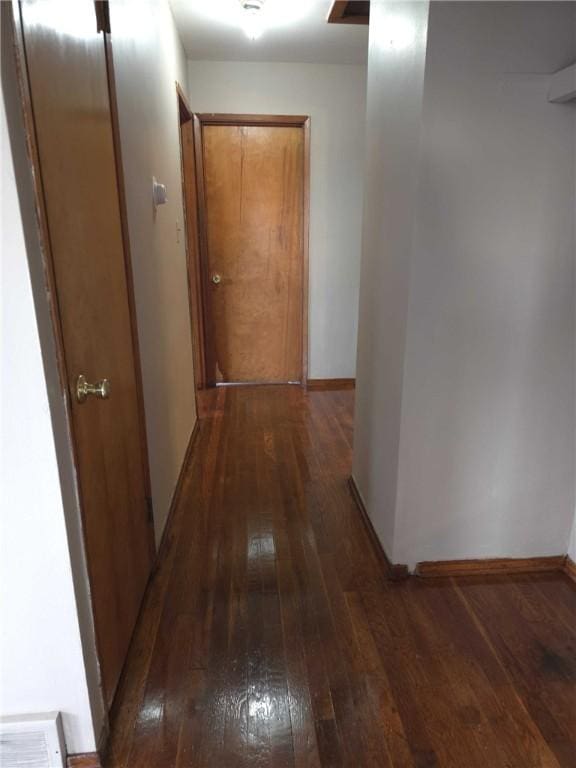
[100, 389]
[216, 278]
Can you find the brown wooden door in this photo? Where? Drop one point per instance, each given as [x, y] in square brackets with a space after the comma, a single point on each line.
[254, 197]
[71, 107]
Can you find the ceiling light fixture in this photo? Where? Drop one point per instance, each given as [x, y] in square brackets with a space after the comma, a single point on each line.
[252, 18]
[269, 15]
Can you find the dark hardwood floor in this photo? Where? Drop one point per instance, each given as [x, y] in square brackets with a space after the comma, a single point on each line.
[270, 636]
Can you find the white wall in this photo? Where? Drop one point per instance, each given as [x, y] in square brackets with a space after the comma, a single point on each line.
[148, 60]
[486, 449]
[572, 540]
[334, 97]
[42, 662]
[394, 110]
[572, 543]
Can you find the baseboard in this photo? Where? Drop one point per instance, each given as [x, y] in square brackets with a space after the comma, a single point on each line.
[178, 490]
[490, 566]
[446, 568]
[85, 760]
[394, 571]
[317, 385]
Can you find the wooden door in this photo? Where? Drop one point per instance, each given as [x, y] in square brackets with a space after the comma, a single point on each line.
[254, 198]
[69, 93]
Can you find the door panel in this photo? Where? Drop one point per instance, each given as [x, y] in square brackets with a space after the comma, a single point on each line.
[254, 196]
[70, 99]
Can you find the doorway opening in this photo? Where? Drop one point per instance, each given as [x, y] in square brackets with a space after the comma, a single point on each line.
[246, 188]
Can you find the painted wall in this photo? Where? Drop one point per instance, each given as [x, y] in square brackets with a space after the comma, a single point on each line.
[334, 97]
[47, 652]
[572, 540]
[148, 60]
[394, 110]
[485, 458]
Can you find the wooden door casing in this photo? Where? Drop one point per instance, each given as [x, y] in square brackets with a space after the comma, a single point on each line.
[190, 195]
[68, 85]
[254, 196]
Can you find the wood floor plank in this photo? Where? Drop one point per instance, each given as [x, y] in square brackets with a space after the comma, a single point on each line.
[298, 683]
[270, 636]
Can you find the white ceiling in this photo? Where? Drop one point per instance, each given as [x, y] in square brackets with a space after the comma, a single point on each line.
[295, 30]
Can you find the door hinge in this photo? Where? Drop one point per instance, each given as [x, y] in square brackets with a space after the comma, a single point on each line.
[102, 16]
[149, 510]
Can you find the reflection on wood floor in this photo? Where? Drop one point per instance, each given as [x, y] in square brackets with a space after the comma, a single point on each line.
[269, 636]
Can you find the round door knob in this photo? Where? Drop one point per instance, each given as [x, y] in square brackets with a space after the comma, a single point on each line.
[216, 278]
[100, 389]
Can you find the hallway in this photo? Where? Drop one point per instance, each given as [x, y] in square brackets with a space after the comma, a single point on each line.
[269, 635]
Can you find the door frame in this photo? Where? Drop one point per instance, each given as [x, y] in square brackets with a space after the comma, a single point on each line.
[47, 265]
[193, 259]
[202, 119]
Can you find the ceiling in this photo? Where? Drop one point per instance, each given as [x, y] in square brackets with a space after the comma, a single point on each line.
[294, 31]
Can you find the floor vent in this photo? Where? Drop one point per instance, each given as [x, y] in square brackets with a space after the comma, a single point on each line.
[32, 741]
